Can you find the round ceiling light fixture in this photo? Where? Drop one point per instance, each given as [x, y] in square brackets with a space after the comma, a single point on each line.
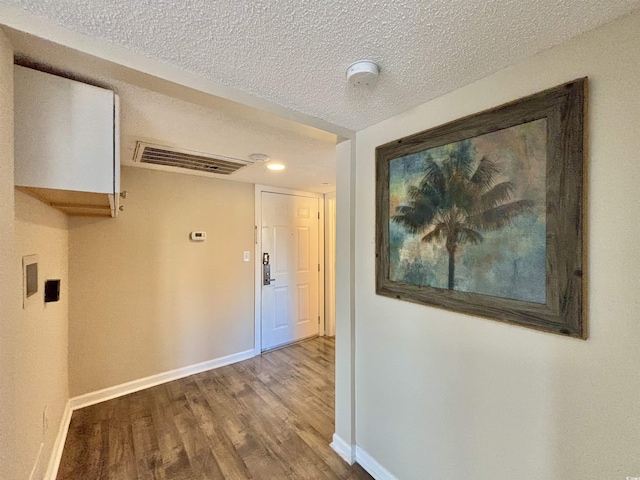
[259, 157]
[275, 166]
[363, 72]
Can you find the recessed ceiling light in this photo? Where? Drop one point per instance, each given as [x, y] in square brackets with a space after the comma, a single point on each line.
[275, 166]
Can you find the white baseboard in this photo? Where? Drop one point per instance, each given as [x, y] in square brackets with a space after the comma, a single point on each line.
[376, 470]
[58, 446]
[342, 448]
[147, 382]
[124, 389]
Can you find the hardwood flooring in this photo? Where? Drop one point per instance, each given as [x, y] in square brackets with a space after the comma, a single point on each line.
[270, 417]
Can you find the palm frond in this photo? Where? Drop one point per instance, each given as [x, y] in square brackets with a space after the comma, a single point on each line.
[462, 159]
[416, 216]
[439, 232]
[409, 221]
[463, 194]
[497, 217]
[468, 235]
[427, 191]
[414, 193]
[485, 173]
[499, 194]
[433, 175]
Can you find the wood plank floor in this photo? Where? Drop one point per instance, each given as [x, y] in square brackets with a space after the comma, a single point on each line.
[270, 417]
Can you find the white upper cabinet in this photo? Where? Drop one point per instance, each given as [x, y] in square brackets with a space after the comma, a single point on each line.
[67, 143]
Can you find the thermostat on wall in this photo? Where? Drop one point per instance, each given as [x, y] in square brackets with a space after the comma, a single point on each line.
[198, 236]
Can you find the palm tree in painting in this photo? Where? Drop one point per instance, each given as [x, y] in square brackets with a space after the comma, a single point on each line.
[457, 199]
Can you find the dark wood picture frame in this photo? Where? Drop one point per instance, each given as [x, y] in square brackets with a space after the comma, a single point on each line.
[563, 107]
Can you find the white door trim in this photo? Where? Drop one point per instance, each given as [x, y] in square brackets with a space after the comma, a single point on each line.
[257, 347]
[330, 264]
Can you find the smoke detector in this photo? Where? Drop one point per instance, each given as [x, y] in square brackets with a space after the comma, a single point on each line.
[363, 72]
[259, 157]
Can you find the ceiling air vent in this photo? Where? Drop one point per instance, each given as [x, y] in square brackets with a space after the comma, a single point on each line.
[180, 158]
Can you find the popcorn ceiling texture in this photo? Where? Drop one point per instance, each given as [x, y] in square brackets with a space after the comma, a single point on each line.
[295, 53]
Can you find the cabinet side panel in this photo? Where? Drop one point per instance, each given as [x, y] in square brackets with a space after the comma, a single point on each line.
[63, 133]
[116, 144]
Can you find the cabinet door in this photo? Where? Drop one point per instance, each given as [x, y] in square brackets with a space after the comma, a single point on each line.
[64, 133]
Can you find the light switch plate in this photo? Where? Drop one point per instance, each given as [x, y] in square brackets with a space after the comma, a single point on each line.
[246, 256]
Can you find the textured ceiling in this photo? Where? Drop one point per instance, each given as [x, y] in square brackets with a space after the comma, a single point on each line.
[295, 52]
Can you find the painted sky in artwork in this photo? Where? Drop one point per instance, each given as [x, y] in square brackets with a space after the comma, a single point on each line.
[509, 262]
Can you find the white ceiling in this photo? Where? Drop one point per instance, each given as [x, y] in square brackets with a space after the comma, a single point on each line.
[295, 52]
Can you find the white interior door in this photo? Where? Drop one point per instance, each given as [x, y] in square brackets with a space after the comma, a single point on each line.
[290, 309]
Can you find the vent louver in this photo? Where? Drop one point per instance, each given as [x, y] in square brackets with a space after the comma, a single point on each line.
[180, 158]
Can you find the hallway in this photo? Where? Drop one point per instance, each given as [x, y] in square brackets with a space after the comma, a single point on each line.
[270, 417]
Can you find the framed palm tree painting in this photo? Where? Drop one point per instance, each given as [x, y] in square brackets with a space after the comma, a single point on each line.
[484, 215]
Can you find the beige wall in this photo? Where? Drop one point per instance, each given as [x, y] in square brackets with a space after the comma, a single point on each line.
[146, 300]
[443, 395]
[9, 270]
[33, 341]
[41, 364]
